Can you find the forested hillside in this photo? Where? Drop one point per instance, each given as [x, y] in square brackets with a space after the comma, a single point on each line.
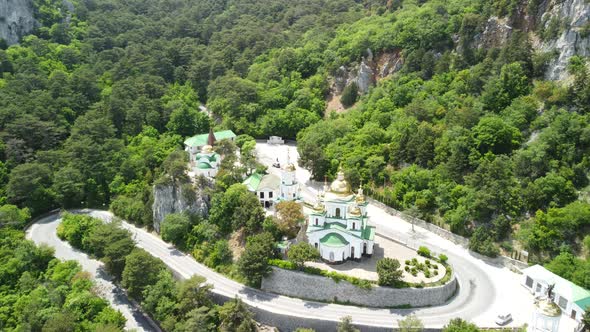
[40, 293]
[467, 133]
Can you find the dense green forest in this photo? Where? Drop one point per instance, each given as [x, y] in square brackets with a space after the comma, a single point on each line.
[94, 103]
[180, 306]
[471, 139]
[40, 293]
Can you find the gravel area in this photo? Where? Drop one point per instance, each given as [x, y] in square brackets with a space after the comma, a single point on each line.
[367, 267]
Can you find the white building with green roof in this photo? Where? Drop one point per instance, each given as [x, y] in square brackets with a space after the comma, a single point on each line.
[206, 162]
[265, 187]
[195, 144]
[202, 159]
[571, 298]
[338, 225]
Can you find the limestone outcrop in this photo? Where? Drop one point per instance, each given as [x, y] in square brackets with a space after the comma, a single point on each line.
[176, 197]
[16, 19]
[574, 18]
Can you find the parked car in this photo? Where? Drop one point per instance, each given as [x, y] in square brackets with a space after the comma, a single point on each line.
[503, 319]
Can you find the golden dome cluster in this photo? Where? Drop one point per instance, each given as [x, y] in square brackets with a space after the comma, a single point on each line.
[340, 186]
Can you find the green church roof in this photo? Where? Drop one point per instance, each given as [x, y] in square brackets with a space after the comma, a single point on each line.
[212, 157]
[204, 165]
[333, 240]
[200, 140]
[253, 181]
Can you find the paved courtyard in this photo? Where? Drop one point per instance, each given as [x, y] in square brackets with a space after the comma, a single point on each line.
[367, 267]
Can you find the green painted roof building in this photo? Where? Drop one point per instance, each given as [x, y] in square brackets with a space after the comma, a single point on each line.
[338, 224]
[198, 141]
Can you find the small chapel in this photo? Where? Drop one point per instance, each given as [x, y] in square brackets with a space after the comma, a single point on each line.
[202, 158]
[272, 189]
[338, 224]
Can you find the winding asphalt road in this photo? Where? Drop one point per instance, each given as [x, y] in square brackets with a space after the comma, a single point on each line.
[474, 298]
[485, 289]
[44, 231]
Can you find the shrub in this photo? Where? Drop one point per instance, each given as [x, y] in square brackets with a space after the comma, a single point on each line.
[361, 283]
[407, 262]
[443, 258]
[427, 262]
[424, 251]
[481, 242]
[435, 272]
[302, 252]
[427, 274]
[407, 268]
[349, 95]
[414, 261]
[388, 271]
[175, 228]
[414, 271]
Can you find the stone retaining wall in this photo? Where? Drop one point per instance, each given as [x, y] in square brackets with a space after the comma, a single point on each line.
[319, 288]
[286, 322]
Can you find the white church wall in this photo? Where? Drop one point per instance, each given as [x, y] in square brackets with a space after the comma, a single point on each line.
[332, 254]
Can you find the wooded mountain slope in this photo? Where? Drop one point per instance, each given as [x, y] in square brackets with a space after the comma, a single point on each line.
[467, 133]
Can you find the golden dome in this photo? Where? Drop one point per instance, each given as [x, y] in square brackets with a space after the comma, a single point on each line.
[318, 208]
[356, 211]
[360, 197]
[340, 186]
[290, 168]
[207, 149]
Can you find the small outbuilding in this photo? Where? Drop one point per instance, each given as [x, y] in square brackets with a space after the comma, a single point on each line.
[265, 187]
[572, 299]
[275, 140]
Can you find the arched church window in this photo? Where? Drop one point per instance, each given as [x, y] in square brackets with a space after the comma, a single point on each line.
[316, 221]
[337, 212]
[353, 225]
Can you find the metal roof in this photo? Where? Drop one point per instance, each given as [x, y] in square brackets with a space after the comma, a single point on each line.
[562, 287]
[200, 140]
[253, 181]
[333, 240]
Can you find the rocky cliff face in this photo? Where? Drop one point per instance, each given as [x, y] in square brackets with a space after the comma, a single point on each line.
[496, 32]
[176, 197]
[364, 74]
[571, 19]
[574, 18]
[16, 19]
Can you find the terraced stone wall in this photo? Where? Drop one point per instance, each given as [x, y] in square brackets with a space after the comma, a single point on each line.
[319, 288]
